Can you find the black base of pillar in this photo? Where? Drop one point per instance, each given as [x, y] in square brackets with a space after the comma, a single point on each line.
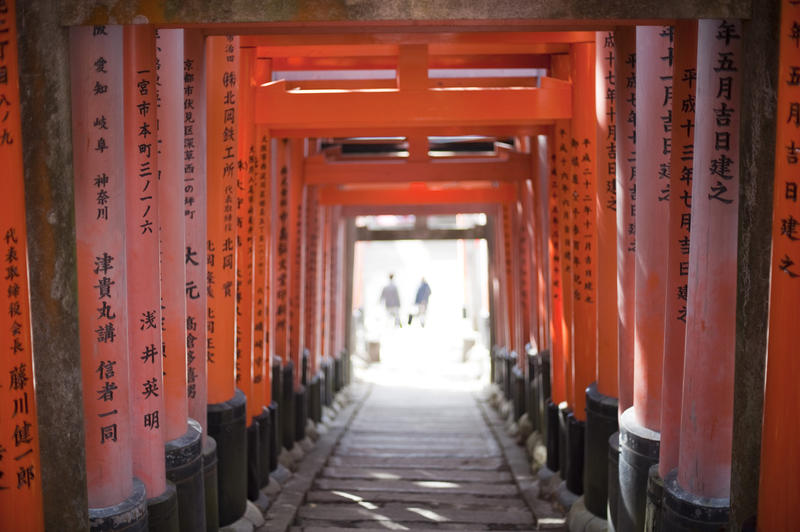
[552, 435]
[227, 425]
[601, 423]
[287, 406]
[162, 511]
[532, 393]
[613, 479]
[655, 500]
[274, 436]
[301, 413]
[638, 448]
[684, 512]
[253, 460]
[264, 446]
[130, 515]
[328, 369]
[563, 451]
[576, 431]
[348, 368]
[510, 361]
[337, 375]
[184, 457]
[518, 393]
[543, 386]
[210, 484]
[315, 400]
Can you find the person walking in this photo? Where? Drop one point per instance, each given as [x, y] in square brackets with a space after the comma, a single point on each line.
[421, 300]
[390, 298]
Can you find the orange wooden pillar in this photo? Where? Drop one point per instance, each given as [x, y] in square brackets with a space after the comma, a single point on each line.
[680, 196]
[262, 367]
[582, 175]
[565, 231]
[196, 259]
[143, 269]
[704, 463]
[96, 59]
[182, 435]
[20, 472]
[245, 267]
[625, 76]
[778, 492]
[169, 50]
[639, 426]
[296, 202]
[625, 39]
[601, 396]
[558, 393]
[226, 408]
[281, 272]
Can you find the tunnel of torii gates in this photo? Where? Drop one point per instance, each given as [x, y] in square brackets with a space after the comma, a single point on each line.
[214, 207]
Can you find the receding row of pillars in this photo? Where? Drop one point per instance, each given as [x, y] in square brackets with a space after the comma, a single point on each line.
[617, 335]
[211, 307]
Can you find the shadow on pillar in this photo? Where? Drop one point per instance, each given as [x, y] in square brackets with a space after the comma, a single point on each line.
[576, 431]
[264, 446]
[639, 449]
[184, 459]
[518, 392]
[276, 413]
[227, 425]
[287, 406]
[130, 515]
[162, 511]
[684, 512]
[315, 400]
[601, 423]
[327, 368]
[210, 484]
[254, 460]
[338, 379]
[553, 436]
[613, 480]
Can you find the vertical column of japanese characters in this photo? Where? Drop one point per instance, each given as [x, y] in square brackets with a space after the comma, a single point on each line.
[98, 158]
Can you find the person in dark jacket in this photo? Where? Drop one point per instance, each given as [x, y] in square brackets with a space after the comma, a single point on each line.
[421, 300]
[390, 298]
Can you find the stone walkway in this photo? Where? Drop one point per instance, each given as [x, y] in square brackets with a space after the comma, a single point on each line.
[415, 459]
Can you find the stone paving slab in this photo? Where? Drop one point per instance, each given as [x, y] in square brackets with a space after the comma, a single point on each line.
[413, 513]
[452, 475]
[452, 499]
[483, 464]
[419, 486]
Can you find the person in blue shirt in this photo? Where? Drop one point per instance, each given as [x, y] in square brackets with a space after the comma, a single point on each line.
[421, 300]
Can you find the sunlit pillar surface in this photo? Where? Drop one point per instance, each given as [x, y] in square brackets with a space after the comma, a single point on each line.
[141, 249]
[680, 200]
[704, 463]
[96, 62]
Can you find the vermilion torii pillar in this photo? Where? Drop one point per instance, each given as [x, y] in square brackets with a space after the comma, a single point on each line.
[601, 401]
[20, 472]
[195, 222]
[582, 170]
[99, 161]
[226, 409]
[639, 426]
[625, 70]
[245, 267]
[558, 392]
[143, 269]
[680, 200]
[182, 435]
[697, 493]
[778, 493]
[262, 337]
